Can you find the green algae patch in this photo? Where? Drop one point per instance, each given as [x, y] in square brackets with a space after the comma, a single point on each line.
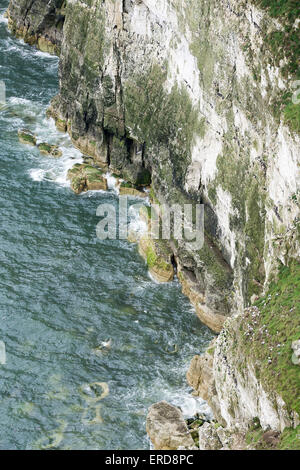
[85, 177]
[51, 150]
[157, 117]
[290, 439]
[245, 182]
[26, 137]
[292, 116]
[267, 333]
[158, 256]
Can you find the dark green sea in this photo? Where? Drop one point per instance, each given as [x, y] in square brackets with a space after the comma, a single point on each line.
[63, 292]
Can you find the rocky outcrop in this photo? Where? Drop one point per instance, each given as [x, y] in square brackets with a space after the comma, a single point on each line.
[208, 437]
[38, 22]
[204, 300]
[166, 427]
[200, 376]
[158, 257]
[128, 189]
[50, 150]
[197, 118]
[85, 177]
[248, 376]
[296, 352]
[27, 137]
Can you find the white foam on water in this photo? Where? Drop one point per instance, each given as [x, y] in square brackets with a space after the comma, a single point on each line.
[190, 405]
[10, 45]
[54, 169]
[45, 55]
[36, 174]
[112, 182]
[14, 100]
[136, 224]
[2, 19]
[24, 109]
[2, 353]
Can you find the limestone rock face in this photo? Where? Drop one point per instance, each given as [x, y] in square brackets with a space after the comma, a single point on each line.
[200, 375]
[197, 118]
[158, 257]
[202, 119]
[203, 299]
[166, 427]
[241, 394]
[208, 437]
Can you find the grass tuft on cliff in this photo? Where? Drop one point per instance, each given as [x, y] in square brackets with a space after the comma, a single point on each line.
[284, 44]
[273, 324]
[287, 440]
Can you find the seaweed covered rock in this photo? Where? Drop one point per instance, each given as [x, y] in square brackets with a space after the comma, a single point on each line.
[51, 150]
[27, 137]
[158, 255]
[86, 177]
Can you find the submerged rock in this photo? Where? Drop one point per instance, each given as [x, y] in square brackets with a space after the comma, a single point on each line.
[51, 150]
[27, 137]
[167, 428]
[85, 177]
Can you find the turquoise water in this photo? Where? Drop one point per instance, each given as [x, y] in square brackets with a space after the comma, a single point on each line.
[63, 292]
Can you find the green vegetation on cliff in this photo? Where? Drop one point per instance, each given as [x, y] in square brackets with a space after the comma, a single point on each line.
[258, 439]
[160, 118]
[284, 44]
[267, 332]
[245, 182]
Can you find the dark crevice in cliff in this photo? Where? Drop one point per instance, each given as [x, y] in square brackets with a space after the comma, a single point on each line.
[28, 10]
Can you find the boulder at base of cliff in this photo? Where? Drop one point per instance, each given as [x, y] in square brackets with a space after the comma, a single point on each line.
[200, 375]
[26, 137]
[86, 178]
[51, 150]
[158, 255]
[167, 428]
[128, 189]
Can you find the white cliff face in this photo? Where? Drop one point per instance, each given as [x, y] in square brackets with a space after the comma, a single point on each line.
[163, 32]
[282, 216]
[241, 160]
[241, 396]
